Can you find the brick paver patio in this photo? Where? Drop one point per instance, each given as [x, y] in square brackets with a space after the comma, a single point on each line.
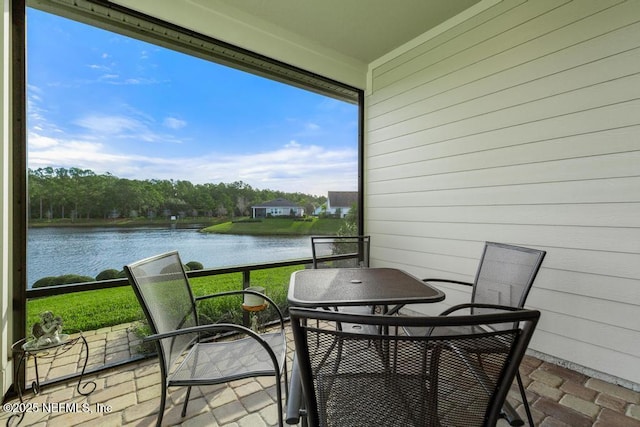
[129, 395]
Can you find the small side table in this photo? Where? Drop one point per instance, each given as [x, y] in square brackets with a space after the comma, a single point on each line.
[22, 354]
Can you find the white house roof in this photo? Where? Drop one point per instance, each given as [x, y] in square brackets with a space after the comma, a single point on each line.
[342, 199]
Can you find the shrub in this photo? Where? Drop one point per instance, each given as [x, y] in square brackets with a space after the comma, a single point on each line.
[65, 279]
[45, 281]
[108, 274]
[195, 265]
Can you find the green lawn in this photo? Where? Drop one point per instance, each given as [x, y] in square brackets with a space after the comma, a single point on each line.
[90, 310]
[279, 226]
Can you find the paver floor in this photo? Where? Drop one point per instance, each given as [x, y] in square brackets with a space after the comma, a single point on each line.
[128, 395]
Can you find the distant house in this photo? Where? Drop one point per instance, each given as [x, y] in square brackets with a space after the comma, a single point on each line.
[340, 202]
[277, 207]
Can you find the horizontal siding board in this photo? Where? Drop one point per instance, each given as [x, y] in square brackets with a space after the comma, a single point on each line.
[585, 329]
[441, 142]
[623, 240]
[586, 215]
[427, 246]
[568, 247]
[613, 190]
[582, 56]
[427, 46]
[489, 77]
[595, 96]
[579, 283]
[494, 55]
[515, 90]
[604, 142]
[492, 168]
[608, 264]
[491, 39]
[604, 312]
[462, 267]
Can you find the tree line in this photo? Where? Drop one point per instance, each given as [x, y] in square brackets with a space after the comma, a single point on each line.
[76, 193]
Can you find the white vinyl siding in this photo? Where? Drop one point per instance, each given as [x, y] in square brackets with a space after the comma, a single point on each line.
[519, 125]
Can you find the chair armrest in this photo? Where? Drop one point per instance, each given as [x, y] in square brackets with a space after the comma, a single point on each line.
[295, 398]
[478, 305]
[457, 282]
[241, 292]
[217, 327]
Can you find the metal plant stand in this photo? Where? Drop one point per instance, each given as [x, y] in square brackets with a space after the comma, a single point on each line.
[51, 352]
[22, 352]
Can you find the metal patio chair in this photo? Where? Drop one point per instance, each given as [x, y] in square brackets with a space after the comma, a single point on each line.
[354, 251]
[505, 276]
[403, 380]
[186, 355]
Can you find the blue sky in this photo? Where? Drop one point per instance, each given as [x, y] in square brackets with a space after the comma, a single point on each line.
[109, 103]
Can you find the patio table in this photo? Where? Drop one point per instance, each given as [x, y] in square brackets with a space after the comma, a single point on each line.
[341, 287]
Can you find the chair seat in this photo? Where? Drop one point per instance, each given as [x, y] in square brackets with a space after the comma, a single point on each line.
[364, 390]
[223, 361]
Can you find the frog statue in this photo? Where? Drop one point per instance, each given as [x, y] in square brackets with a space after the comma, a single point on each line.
[47, 331]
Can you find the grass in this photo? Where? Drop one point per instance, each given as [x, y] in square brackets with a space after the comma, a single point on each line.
[279, 226]
[90, 310]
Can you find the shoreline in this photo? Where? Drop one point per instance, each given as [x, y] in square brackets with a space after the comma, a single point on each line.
[195, 223]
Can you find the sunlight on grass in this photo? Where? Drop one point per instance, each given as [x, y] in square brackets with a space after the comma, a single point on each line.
[91, 310]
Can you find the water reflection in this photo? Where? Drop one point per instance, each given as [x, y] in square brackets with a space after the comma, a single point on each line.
[88, 251]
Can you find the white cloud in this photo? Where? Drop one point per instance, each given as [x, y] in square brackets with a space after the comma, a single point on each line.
[173, 123]
[295, 167]
[133, 126]
[109, 76]
[106, 124]
[38, 141]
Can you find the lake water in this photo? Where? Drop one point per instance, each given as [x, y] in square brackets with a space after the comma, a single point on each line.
[88, 251]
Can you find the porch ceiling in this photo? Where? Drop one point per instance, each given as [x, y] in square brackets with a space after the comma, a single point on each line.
[360, 29]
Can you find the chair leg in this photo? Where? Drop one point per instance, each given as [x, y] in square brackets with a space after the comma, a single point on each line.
[279, 395]
[524, 399]
[163, 402]
[186, 402]
[510, 414]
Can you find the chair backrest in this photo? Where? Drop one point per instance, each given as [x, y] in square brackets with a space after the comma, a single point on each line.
[162, 288]
[505, 274]
[355, 250]
[358, 379]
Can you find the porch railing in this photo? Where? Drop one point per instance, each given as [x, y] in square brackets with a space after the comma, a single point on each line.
[114, 283]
